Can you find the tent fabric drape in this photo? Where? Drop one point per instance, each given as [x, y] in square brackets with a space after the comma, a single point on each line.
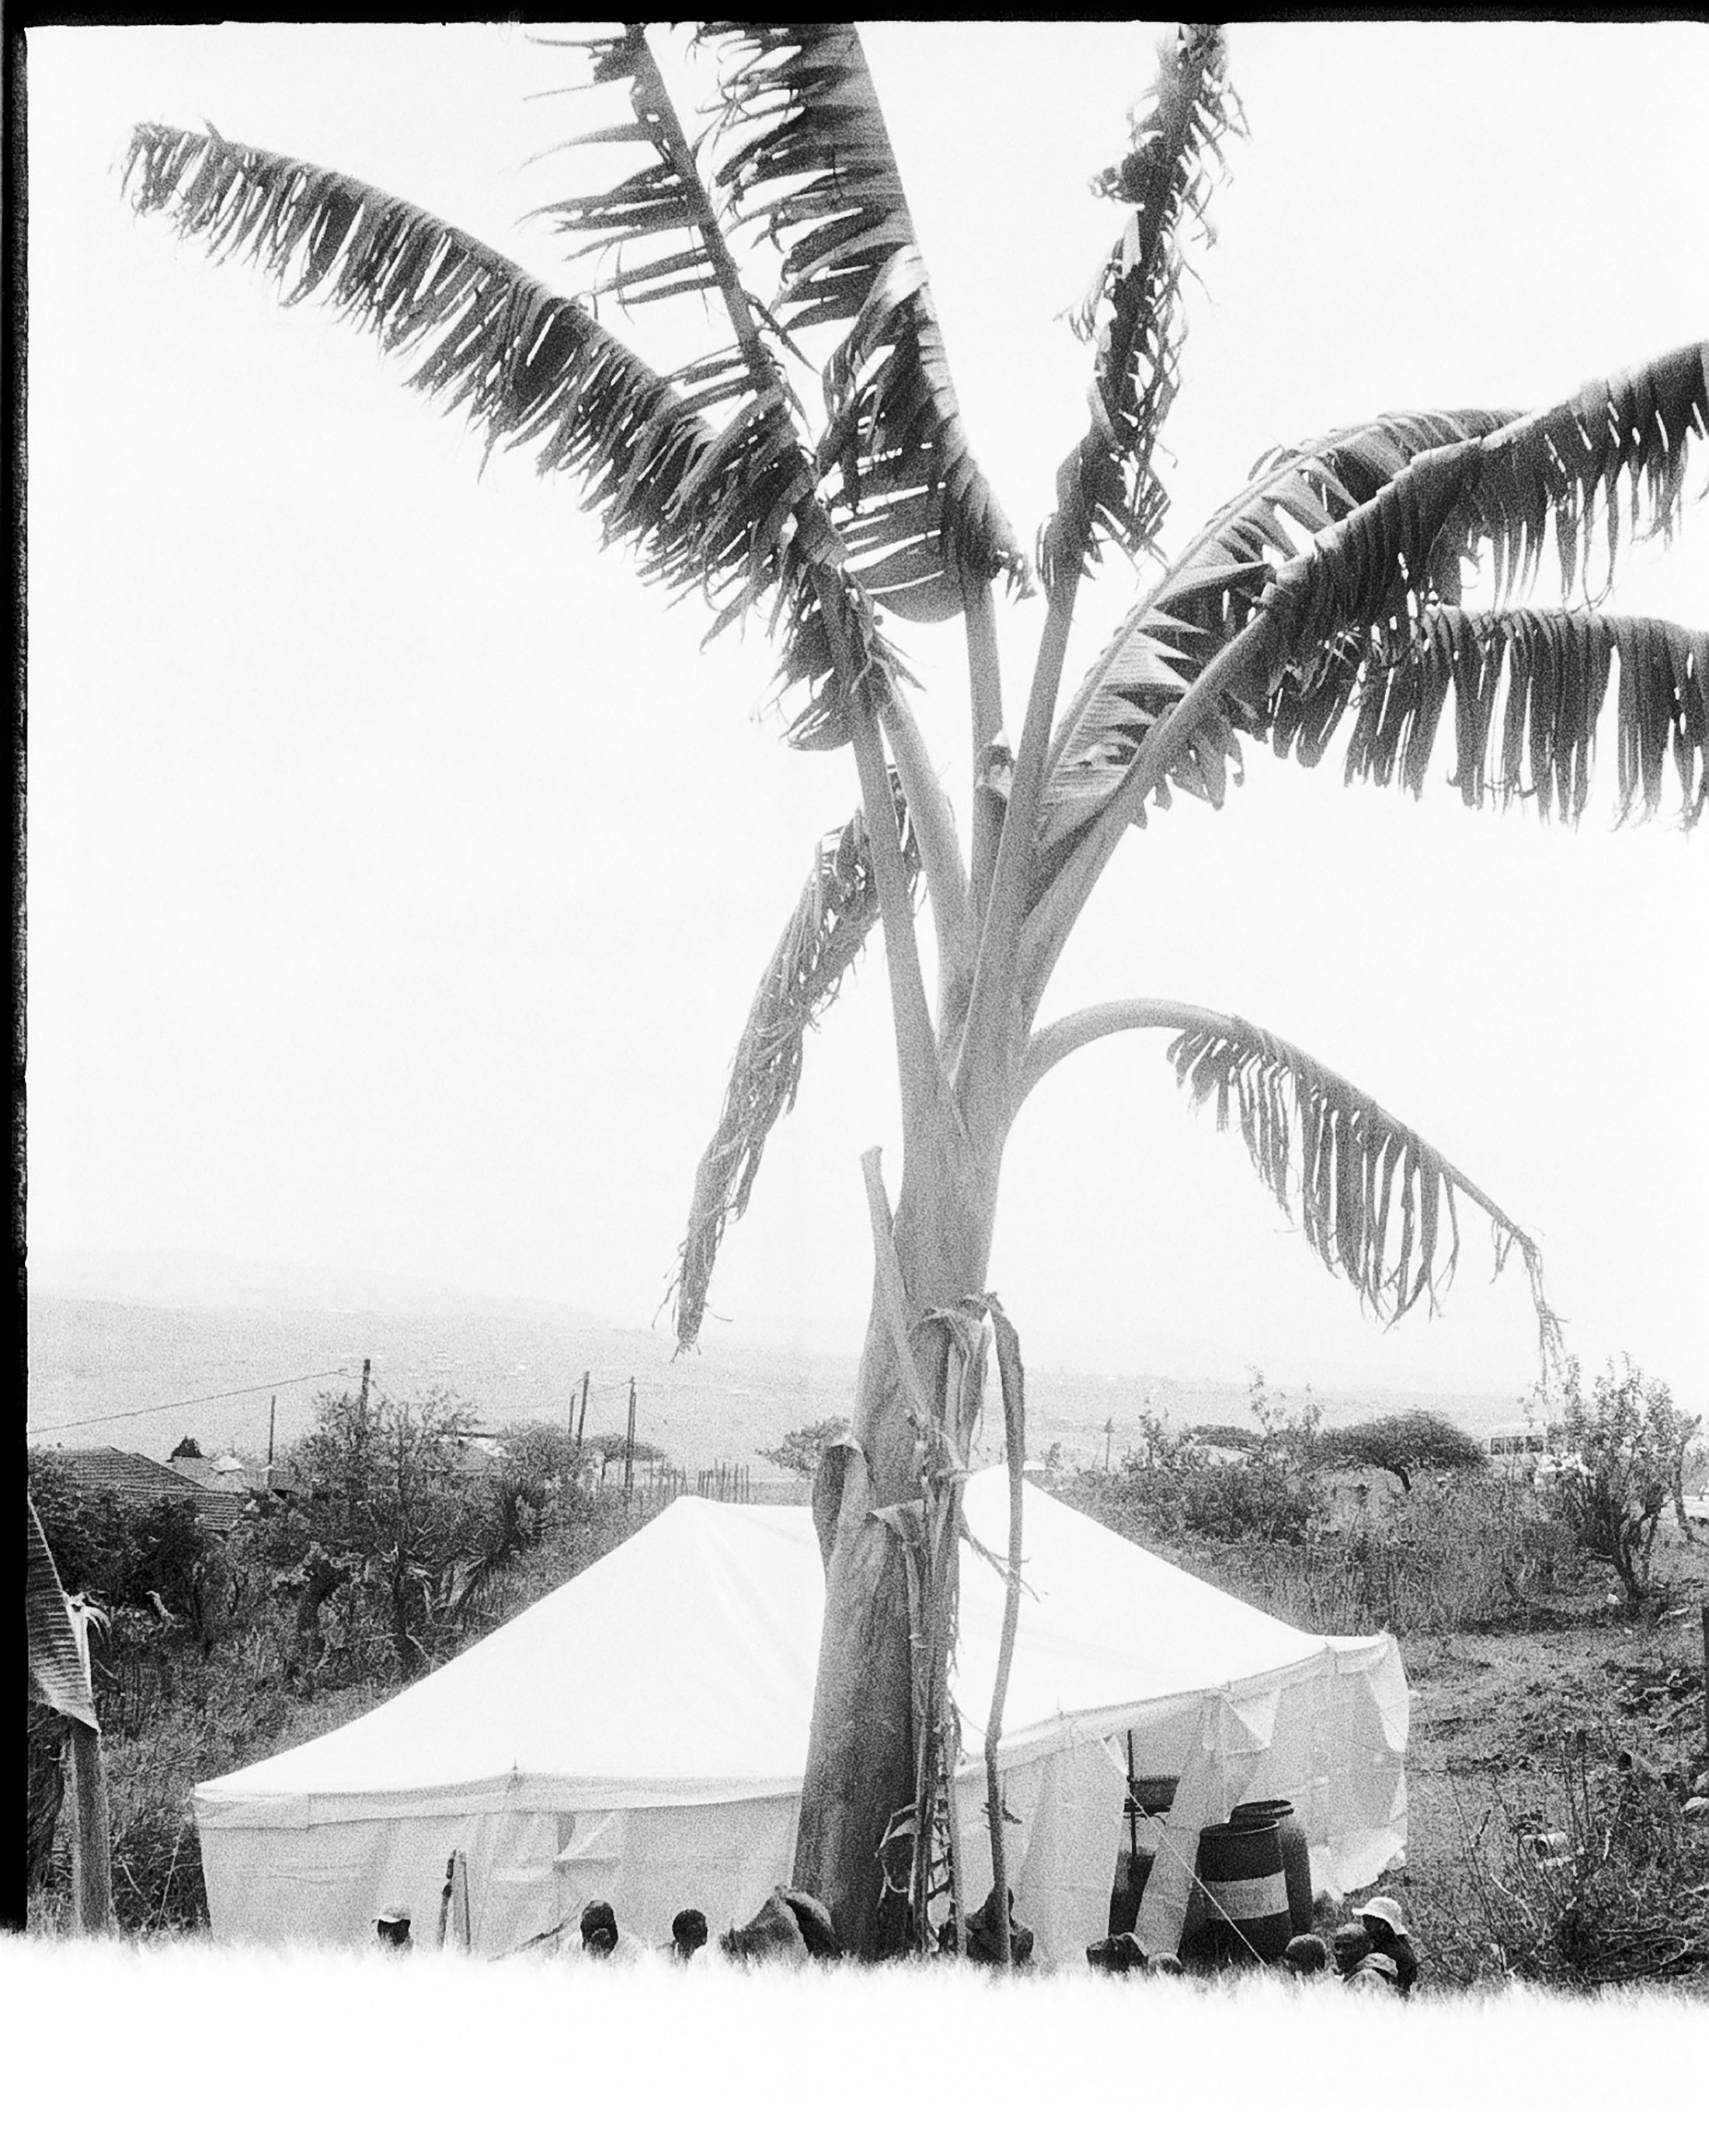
[638, 1736]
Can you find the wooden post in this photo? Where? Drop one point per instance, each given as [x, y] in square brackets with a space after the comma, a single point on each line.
[362, 1403]
[92, 1835]
[272, 1412]
[1109, 1436]
[629, 1449]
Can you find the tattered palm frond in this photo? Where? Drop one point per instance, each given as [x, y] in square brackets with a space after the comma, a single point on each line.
[813, 159]
[837, 661]
[1374, 567]
[1109, 484]
[59, 1673]
[1529, 686]
[657, 227]
[1372, 1197]
[700, 506]
[1208, 593]
[1553, 471]
[836, 912]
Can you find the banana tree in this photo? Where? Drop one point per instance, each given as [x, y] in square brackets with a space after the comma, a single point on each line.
[814, 463]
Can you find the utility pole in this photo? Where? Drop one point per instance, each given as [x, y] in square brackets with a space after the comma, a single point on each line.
[1109, 1434]
[629, 1449]
[272, 1411]
[582, 1420]
[362, 1405]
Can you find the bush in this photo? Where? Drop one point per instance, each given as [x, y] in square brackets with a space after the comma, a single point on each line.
[799, 1452]
[122, 1550]
[1602, 1882]
[1176, 1485]
[1622, 1458]
[1464, 1551]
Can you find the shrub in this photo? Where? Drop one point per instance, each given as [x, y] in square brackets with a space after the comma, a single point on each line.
[1174, 1486]
[1603, 1882]
[1463, 1552]
[124, 1550]
[1622, 1457]
[799, 1452]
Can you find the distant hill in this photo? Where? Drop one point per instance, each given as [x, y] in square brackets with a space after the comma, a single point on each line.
[92, 1357]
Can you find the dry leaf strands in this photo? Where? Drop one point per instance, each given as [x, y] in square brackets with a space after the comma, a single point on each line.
[833, 918]
[809, 155]
[1369, 1192]
[1108, 487]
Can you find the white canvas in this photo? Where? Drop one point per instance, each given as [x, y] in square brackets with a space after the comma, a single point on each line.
[639, 1735]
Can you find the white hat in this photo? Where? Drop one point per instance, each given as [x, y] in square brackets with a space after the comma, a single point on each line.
[394, 1912]
[1386, 1912]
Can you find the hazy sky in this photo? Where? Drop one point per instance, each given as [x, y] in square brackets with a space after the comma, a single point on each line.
[400, 870]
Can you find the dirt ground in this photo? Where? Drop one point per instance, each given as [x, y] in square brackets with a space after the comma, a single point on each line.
[1496, 1714]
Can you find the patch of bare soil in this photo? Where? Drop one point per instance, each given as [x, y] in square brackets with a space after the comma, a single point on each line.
[1506, 1723]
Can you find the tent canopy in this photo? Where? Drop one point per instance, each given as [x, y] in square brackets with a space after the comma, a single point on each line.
[677, 1673]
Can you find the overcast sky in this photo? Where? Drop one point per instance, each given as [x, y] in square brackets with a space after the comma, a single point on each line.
[400, 870]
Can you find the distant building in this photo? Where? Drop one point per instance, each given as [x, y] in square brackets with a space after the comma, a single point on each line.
[219, 1489]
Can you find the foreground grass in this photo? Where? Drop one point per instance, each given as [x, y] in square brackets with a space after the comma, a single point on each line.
[442, 2054]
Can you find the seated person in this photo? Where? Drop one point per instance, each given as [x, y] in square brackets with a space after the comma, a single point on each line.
[1120, 1954]
[688, 1934]
[600, 1937]
[391, 1928]
[1305, 1954]
[1377, 1971]
[1386, 1927]
[1349, 1943]
[984, 1943]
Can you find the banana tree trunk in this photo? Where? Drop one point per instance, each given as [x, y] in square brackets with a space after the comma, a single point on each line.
[861, 1749]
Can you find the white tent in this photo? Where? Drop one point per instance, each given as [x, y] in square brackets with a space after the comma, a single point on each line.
[639, 1735]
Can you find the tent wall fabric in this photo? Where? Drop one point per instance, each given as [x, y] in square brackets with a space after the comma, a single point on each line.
[639, 1735]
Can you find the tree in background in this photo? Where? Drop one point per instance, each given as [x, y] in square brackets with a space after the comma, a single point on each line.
[387, 1508]
[1622, 1454]
[801, 1449]
[841, 497]
[1401, 1446]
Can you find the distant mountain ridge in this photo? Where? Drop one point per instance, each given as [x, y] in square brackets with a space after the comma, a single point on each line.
[94, 1360]
[205, 1280]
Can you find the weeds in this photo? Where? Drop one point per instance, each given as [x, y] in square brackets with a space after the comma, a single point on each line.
[1604, 1881]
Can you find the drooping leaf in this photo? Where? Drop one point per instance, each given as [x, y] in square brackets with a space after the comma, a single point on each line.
[1551, 474]
[58, 1675]
[1109, 485]
[1530, 687]
[1381, 548]
[1372, 1196]
[837, 911]
[700, 505]
[809, 155]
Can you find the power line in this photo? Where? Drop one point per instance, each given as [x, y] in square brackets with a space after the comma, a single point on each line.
[124, 1415]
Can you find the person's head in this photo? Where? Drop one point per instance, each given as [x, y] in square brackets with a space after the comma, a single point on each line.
[1383, 1919]
[1119, 1955]
[1167, 1965]
[1305, 1954]
[599, 1929]
[391, 1926]
[1350, 1944]
[1376, 1971]
[688, 1934]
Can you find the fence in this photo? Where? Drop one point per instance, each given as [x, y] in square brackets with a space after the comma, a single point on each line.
[732, 1483]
